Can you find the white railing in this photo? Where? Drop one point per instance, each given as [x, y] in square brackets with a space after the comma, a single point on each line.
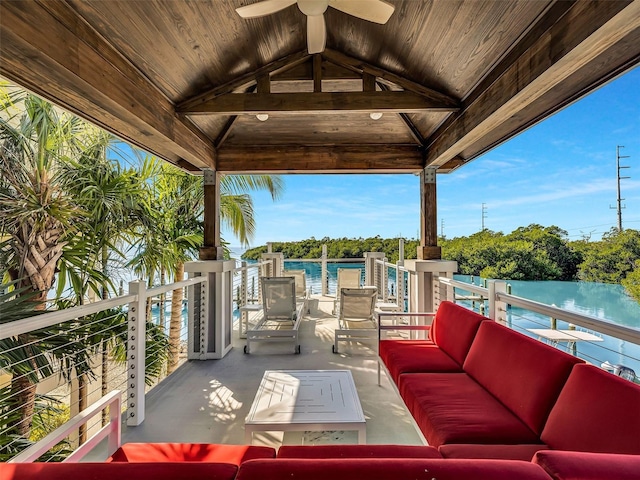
[588, 330]
[72, 328]
[111, 431]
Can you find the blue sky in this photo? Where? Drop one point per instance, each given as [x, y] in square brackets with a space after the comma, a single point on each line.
[560, 172]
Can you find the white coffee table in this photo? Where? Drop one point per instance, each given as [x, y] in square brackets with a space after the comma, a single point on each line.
[301, 400]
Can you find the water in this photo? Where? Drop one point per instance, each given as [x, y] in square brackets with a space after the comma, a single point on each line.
[603, 301]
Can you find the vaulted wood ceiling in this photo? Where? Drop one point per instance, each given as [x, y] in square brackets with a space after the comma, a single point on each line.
[185, 79]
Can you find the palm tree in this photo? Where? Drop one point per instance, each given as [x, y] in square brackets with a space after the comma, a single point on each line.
[36, 218]
[176, 231]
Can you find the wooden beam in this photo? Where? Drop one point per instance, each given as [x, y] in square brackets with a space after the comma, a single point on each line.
[290, 61]
[74, 67]
[415, 133]
[264, 84]
[317, 102]
[368, 82]
[384, 75]
[579, 37]
[428, 248]
[301, 159]
[304, 71]
[317, 72]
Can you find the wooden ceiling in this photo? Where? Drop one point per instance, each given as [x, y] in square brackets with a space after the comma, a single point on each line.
[185, 79]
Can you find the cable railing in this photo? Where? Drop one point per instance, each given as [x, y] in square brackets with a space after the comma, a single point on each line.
[609, 345]
[59, 363]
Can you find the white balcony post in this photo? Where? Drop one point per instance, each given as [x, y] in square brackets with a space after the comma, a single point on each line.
[422, 276]
[211, 324]
[244, 284]
[136, 341]
[324, 276]
[370, 268]
[276, 268]
[497, 309]
[400, 286]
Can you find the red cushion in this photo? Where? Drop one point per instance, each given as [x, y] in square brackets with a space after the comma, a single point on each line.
[388, 469]
[117, 471]
[595, 412]
[505, 452]
[453, 408]
[357, 451]
[412, 356]
[454, 328]
[588, 466]
[524, 374]
[189, 452]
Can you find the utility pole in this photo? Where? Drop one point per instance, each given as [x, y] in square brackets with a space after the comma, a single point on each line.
[484, 214]
[620, 199]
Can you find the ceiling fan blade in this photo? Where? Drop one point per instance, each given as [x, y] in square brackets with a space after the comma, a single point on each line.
[316, 33]
[266, 7]
[376, 11]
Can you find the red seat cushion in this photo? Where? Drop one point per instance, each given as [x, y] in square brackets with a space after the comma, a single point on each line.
[411, 356]
[588, 466]
[453, 408]
[524, 374]
[595, 412]
[505, 452]
[388, 469]
[454, 328]
[117, 471]
[357, 451]
[189, 452]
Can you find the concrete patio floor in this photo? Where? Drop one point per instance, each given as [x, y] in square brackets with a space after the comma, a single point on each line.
[207, 401]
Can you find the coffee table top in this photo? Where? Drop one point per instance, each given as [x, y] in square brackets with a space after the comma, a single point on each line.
[306, 396]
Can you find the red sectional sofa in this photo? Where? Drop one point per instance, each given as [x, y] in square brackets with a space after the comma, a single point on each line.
[336, 462]
[477, 389]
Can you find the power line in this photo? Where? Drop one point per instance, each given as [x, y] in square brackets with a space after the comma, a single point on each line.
[484, 215]
[620, 199]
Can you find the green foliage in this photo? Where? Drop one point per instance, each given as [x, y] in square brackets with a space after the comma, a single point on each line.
[338, 248]
[528, 253]
[613, 259]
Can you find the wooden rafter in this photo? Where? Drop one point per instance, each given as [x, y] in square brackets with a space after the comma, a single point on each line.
[94, 81]
[577, 38]
[307, 159]
[317, 102]
[386, 76]
[278, 66]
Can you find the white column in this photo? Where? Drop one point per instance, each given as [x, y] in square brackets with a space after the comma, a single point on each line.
[324, 275]
[214, 325]
[136, 342]
[421, 282]
[497, 309]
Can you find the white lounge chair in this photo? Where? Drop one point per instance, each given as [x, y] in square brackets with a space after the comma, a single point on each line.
[280, 314]
[347, 278]
[356, 317]
[302, 293]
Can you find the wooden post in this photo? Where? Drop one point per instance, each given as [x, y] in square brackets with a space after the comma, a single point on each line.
[428, 249]
[212, 248]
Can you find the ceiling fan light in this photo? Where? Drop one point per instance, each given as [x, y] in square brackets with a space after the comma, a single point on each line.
[313, 7]
[375, 115]
[263, 117]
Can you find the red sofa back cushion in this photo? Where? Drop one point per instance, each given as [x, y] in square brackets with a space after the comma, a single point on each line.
[454, 328]
[117, 471]
[595, 412]
[389, 469]
[588, 466]
[357, 451]
[521, 372]
[189, 452]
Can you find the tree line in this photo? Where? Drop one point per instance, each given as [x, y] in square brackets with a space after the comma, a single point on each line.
[534, 252]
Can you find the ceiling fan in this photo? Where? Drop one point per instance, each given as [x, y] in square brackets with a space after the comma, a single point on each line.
[377, 11]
